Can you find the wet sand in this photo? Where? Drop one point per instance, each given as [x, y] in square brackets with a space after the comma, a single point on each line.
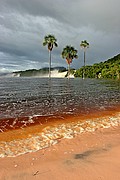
[90, 155]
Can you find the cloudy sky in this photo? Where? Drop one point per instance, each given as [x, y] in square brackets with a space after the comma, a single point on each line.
[24, 23]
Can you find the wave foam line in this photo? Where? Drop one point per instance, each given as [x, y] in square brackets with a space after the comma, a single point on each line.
[52, 134]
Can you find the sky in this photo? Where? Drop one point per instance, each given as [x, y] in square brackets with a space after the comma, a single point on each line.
[25, 23]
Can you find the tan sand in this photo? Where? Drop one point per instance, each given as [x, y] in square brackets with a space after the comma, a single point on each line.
[88, 156]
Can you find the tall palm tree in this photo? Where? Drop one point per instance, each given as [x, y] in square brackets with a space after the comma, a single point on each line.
[50, 41]
[84, 45]
[69, 53]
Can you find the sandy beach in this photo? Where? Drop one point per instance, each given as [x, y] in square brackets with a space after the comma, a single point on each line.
[91, 155]
[59, 90]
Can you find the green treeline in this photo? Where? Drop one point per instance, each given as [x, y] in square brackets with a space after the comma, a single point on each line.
[108, 69]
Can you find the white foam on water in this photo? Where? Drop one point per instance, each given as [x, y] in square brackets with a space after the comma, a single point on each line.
[52, 134]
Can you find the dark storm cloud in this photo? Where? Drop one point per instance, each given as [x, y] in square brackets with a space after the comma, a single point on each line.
[102, 14]
[24, 23]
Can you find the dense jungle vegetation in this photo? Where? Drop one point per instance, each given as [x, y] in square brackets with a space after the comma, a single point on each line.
[108, 69]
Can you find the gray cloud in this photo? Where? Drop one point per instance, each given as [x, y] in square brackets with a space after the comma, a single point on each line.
[102, 14]
[24, 23]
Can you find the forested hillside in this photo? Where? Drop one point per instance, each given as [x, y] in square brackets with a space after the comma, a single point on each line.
[108, 69]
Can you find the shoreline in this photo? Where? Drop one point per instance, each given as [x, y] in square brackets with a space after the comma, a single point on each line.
[31, 139]
[16, 123]
[91, 155]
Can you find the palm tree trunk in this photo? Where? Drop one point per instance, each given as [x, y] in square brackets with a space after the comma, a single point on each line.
[49, 64]
[84, 66]
[68, 70]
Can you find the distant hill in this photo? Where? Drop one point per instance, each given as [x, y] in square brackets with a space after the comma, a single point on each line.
[40, 72]
[108, 69]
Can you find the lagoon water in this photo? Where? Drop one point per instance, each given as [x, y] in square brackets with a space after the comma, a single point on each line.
[27, 102]
[40, 96]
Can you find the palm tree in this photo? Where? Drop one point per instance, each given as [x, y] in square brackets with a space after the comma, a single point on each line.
[84, 45]
[50, 41]
[69, 53]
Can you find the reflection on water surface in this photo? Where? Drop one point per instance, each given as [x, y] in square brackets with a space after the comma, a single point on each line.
[39, 96]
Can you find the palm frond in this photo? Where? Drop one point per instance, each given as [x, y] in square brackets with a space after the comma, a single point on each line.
[50, 41]
[44, 43]
[84, 44]
[69, 53]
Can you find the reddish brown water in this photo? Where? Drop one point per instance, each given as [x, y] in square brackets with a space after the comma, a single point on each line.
[35, 113]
